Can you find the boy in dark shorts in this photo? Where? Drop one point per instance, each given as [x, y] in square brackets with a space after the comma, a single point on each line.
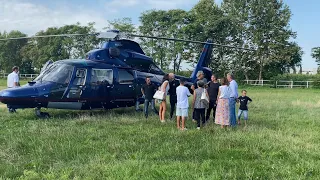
[243, 100]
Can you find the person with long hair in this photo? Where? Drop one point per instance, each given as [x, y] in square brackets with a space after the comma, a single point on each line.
[163, 104]
[223, 110]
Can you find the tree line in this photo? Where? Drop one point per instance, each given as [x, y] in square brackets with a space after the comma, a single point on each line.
[316, 54]
[262, 25]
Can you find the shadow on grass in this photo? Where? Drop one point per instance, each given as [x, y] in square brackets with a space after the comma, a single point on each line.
[57, 114]
[73, 114]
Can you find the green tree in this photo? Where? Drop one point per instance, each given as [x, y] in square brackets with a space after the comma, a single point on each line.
[270, 28]
[209, 22]
[155, 23]
[263, 25]
[294, 57]
[11, 50]
[242, 62]
[316, 54]
[170, 24]
[178, 20]
[40, 50]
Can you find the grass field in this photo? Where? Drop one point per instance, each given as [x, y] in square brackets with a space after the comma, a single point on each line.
[282, 141]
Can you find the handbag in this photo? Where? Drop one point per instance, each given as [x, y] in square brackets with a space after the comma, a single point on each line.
[204, 99]
[159, 95]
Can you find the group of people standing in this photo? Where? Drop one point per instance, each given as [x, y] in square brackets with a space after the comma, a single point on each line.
[222, 98]
[168, 86]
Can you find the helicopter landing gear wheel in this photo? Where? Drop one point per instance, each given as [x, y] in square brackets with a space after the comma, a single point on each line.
[42, 115]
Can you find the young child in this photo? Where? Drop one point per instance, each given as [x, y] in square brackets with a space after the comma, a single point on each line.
[244, 101]
[182, 104]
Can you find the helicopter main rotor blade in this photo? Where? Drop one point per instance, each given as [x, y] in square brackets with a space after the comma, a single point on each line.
[102, 35]
[45, 36]
[190, 41]
[111, 35]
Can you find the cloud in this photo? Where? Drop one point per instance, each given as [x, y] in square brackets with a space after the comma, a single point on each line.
[31, 18]
[169, 4]
[127, 3]
[116, 6]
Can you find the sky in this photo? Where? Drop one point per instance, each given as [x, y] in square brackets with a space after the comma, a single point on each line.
[31, 16]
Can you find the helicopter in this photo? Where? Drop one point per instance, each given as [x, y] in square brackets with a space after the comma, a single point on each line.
[107, 78]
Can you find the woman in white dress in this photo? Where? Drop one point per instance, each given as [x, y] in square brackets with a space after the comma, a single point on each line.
[163, 104]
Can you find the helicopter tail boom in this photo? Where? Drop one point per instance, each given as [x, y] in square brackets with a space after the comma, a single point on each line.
[203, 62]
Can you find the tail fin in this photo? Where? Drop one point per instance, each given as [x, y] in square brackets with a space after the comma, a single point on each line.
[203, 62]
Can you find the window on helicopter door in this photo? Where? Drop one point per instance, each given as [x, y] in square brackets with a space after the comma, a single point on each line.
[101, 76]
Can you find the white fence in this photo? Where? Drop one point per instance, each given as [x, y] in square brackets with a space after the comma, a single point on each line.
[23, 76]
[279, 84]
[269, 83]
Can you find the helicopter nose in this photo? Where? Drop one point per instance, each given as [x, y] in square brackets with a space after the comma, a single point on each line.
[16, 95]
[4, 94]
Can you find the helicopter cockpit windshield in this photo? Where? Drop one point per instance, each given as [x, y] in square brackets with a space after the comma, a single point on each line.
[58, 73]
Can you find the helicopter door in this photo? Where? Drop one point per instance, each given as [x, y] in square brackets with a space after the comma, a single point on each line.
[101, 83]
[125, 87]
[78, 84]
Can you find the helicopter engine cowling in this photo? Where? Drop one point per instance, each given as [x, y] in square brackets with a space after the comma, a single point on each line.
[114, 52]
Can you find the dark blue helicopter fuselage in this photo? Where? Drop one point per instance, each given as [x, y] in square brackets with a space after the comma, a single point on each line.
[122, 90]
[99, 81]
[88, 94]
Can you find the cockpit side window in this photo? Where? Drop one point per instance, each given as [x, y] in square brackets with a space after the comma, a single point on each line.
[125, 77]
[80, 78]
[101, 76]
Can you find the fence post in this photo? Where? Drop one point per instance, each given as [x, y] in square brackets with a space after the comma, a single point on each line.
[307, 84]
[262, 82]
[291, 84]
[247, 81]
[276, 84]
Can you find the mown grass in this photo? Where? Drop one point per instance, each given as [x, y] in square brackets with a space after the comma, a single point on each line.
[280, 142]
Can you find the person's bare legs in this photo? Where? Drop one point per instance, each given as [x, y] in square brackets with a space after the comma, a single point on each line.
[183, 122]
[160, 111]
[178, 122]
[163, 110]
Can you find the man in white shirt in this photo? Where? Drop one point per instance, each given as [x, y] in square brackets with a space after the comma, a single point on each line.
[182, 104]
[13, 82]
[13, 78]
[233, 99]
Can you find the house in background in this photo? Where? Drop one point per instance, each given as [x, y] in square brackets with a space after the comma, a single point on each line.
[310, 71]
